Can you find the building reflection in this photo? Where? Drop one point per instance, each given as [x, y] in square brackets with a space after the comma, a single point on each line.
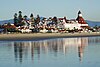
[18, 49]
[56, 46]
[81, 47]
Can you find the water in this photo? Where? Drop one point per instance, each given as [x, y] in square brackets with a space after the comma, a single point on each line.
[64, 52]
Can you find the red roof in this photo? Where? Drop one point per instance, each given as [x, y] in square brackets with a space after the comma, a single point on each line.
[81, 20]
[11, 26]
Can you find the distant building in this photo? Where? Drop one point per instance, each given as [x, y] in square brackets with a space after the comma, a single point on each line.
[9, 26]
[53, 24]
[78, 23]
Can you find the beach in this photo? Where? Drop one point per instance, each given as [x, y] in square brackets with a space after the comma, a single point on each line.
[41, 36]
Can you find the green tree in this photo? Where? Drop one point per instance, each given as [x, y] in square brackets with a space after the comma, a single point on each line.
[8, 24]
[22, 23]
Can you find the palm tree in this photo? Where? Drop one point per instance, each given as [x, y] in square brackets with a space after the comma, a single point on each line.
[25, 17]
[20, 12]
[15, 15]
[37, 19]
[20, 16]
[15, 19]
[32, 17]
[55, 20]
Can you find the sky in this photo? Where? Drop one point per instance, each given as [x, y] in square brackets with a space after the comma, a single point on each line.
[50, 8]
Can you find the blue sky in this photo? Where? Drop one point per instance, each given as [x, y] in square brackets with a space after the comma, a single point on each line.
[49, 8]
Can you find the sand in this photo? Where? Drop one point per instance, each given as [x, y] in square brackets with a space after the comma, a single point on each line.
[41, 36]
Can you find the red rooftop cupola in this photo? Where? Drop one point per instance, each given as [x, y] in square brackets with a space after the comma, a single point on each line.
[80, 18]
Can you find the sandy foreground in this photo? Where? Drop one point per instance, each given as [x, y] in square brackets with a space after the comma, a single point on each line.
[41, 36]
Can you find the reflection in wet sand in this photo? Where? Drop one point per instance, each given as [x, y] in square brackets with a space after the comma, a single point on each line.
[56, 46]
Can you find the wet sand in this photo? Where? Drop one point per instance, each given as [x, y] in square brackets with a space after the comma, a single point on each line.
[41, 36]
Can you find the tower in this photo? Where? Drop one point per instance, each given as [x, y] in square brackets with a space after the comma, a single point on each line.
[80, 18]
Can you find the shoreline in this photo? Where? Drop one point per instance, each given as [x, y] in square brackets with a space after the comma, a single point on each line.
[42, 36]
